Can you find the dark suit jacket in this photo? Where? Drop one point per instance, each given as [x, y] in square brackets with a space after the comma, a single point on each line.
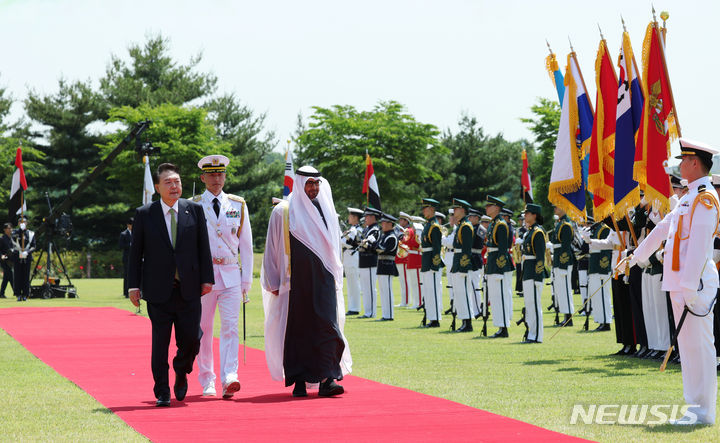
[153, 260]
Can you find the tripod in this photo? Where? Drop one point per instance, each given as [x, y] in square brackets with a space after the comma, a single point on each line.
[52, 285]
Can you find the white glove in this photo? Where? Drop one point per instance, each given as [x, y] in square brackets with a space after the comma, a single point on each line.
[371, 239]
[655, 217]
[23, 254]
[626, 263]
[690, 298]
[245, 288]
[585, 234]
[643, 202]
[549, 246]
[518, 241]
[660, 255]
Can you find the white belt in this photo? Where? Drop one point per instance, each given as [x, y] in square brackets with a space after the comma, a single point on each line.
[529, 257]
[492, 249]
[415, 252]
[224, 260]
[555, 246]
[476, 251]
[457, 250]
[427, 249]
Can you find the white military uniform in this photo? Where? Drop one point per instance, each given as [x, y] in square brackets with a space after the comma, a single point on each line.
[350, 263]
[230, 236]
[693, 283]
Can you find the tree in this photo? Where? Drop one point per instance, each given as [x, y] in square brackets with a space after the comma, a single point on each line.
[152, 77]
[337, 138]
[545, 126]
[258, 173]
[480, 165]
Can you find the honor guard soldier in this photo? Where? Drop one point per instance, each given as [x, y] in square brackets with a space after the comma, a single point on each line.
[350, 241]
[533, 258]
[563, 258]
[368, 261]
[690, 277]
[387, 247]
[476, 273]
[602, 240]
[230, 236]
[431, 263]
[498, 270]
[448, 232]
[24, 245]
[401, 259]
[462, 265]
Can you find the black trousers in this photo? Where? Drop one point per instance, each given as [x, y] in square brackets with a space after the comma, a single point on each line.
[185, 316]
[22, 277]
[636, 305]
[622, 311]
[7, 277]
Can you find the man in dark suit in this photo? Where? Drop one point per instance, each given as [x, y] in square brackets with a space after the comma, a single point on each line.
[6, 252]
[124, 243]
[171, 268]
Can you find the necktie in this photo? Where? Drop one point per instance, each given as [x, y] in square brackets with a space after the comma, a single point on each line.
[216, 207]
[173, 226]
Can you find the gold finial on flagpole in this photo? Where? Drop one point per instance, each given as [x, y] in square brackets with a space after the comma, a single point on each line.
[571, 46]
[548, 45]
[602, 37]
[623, 23]
[664, 15]
[653, 13]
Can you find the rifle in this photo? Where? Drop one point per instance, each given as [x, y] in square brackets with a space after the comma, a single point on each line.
[486, 308]
[587, 318]
[523, 321]
[424, 319]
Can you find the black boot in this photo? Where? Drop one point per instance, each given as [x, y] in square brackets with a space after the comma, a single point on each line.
[466, 326]
[433, 324]
[568, 320]
[501, 333]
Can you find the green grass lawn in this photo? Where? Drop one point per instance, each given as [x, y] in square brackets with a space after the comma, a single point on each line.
[538, 384]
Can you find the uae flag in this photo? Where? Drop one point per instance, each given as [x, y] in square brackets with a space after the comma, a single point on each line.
[525, 180]
[19, 185]
[370, 186]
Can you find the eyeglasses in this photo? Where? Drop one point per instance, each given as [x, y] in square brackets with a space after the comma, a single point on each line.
[313, 183]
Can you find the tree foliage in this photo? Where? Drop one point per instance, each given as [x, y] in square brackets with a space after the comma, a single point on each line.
[337, 138]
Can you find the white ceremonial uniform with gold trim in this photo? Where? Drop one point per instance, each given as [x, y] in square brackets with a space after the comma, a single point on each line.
[231, 247]
[693, 284]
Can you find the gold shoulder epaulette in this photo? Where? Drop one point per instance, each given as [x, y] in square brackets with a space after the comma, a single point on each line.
[197, 198]
[236, 198]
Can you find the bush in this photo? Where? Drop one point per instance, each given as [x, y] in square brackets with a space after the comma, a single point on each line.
[103, 264]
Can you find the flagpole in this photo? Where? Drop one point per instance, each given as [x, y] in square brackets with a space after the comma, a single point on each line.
[574, 56]
[667, 76]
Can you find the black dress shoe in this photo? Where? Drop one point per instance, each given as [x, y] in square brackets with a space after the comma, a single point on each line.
[621, 351]
[466, 326]
[299, 390]
[528, 341]
[181, 386]
[163, 400]
[567, 321]
[386, 319]
[602, 327]
[3, 296]
[501, 333]
[433, 324]
[329, 388]
[352, 313]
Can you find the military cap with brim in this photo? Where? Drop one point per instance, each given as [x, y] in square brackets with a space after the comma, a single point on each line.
[214, 163]
[492, 200]
[356, 211]
[716, 179]
[430, 202]
[458, 203]
[700, 149]
[388, 218]
[675, 181]
[308, 171]
[416, 219]
[485, 218]
[533, 208]
[473, 211]
[372, 211]
[506, 211]
[439, 214]
[404, 215]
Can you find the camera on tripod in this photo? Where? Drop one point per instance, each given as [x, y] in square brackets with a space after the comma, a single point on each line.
[143, 146]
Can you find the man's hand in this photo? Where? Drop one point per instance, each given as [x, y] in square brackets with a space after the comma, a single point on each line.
[23, 254]
[135, 297]
[205, 288]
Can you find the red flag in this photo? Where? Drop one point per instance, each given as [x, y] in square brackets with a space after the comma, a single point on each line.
[602, 143]
[370, 186]
[17, 186]
[525, 180]
[658, 127]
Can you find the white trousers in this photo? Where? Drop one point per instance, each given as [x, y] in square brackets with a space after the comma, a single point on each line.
[583, 280]
[414, 288]
[500, 297]
[563, 290]
[697, 354]
[352, 277]
[449, 285]
[432, 294]
[228, 301]
[402, 270]
[386, 295]
[476, 281]
[368, 276]
[464, 302]
[600, 302]
[532, 291]
[654, 306]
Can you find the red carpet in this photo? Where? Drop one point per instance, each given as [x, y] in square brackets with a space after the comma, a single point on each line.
[106, 352]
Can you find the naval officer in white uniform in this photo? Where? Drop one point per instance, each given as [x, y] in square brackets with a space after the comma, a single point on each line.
[228, 226]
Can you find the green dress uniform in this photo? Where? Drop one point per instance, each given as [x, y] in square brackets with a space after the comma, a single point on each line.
[498, 270]
[430, 270]
[533, 274]
[459, 273]
[599, 269]
[563, 260]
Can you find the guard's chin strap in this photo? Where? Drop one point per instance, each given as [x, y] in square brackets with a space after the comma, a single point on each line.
[707, 200]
